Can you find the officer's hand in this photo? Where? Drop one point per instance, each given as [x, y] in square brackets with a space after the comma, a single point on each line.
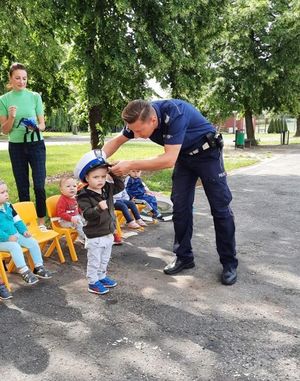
[121, 168]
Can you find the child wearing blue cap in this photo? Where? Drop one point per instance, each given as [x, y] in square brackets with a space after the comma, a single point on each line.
[96, 203]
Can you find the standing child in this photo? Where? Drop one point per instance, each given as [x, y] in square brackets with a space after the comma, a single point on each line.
[96, 203]
[67, 207]
[14, 235]
[123, 203]
[138, 190]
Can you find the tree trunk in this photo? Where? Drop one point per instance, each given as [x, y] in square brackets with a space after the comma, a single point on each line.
[250, 127]
[298, 126]
[94, 120]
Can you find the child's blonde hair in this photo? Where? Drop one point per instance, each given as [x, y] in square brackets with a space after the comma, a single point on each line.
[64, 178]
[2, 182]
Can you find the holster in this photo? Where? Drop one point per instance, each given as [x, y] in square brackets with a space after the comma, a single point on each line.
[215, 140]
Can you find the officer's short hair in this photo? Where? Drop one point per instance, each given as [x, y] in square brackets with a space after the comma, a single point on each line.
[137, 110]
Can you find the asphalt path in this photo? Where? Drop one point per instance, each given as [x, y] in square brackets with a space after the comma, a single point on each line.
[185, 327]
[55, 140]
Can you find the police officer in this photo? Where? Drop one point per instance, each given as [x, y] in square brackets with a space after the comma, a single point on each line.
[192, 146]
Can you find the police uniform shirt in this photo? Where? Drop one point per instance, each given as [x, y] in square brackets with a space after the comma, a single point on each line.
[178, 123]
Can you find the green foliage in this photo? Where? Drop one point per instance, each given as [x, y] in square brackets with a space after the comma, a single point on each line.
[59, 120]
[277, 126]
[102, 53]
[254, 59]
[90, 57]
[173, 39]
[28, 36]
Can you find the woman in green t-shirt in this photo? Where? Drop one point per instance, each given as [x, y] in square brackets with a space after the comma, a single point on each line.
[22, 118]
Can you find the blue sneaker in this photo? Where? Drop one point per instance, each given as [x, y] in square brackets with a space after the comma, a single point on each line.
[97, 288]
[108, 282]
[4, 293]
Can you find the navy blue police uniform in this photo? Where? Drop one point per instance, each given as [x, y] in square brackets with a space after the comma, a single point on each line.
[200, 157]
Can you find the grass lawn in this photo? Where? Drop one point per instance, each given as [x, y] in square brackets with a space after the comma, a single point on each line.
[62, 159]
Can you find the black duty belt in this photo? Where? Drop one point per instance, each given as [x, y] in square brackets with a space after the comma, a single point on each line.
[211, 140]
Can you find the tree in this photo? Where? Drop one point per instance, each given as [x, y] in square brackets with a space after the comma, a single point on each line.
[173, 39]
[118, 45]
[31, 39]
[103, 55]
[248, 67]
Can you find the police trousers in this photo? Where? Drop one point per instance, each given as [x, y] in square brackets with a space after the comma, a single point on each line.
[208, 166]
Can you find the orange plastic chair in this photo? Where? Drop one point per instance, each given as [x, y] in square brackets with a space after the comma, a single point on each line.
[69, 233]
[27, 212]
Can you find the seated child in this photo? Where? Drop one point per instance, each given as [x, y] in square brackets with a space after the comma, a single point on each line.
[4, 292]
[14, 235]
[96, 202]
[123, 203]
[138, 190]
[67, 207]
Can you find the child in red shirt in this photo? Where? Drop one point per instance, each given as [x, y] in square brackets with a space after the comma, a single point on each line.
[67, 208]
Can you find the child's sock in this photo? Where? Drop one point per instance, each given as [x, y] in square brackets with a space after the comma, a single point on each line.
[23, 270]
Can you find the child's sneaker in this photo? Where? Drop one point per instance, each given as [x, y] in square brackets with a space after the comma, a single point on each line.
[41, 272]
[4, 293]
[108, 282]
[43, 228]
[98, 288]
[157, 216]
[29, 277]
[80, 240]
[117, 240]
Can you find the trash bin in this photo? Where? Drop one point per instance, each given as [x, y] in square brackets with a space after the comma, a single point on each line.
[240, 138]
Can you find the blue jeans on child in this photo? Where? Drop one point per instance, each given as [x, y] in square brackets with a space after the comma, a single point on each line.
[151, 201]
[124, 206]
[14, 248]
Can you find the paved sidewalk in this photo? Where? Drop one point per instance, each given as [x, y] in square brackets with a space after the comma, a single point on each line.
[185, 327]
[54, 141]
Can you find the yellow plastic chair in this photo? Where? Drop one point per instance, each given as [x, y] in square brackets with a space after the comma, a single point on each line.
[27, 212]
[118, 215]
[5, 255]
[120, 219]
[69, 233]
